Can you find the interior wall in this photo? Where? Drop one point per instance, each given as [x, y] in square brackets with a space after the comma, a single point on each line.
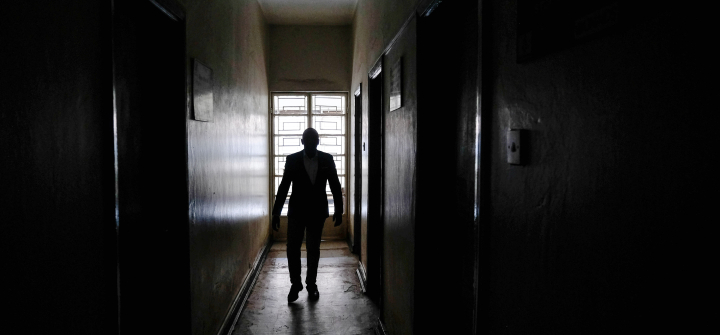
[56, 169]
[227, 157]
[429, 172]
[309, 58]
[376, 22]
[590, 235]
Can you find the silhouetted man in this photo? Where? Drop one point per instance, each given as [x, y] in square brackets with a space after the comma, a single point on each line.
[308, 171]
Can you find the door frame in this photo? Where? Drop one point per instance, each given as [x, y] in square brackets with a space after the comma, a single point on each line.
[139, 239]
[357, 190]
[375, 182]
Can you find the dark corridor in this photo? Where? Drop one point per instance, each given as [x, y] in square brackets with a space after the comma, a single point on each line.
[123, 213]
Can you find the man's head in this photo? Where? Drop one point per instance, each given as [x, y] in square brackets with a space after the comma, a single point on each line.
[310, 139]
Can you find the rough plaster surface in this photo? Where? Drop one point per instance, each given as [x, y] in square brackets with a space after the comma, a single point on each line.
[310, 58]
[228, 157]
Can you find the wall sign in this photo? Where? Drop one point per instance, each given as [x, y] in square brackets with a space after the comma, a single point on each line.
[396, 85]
[202, 92]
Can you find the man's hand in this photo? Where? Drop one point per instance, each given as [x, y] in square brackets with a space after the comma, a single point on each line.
[276, 222]
[337, 217]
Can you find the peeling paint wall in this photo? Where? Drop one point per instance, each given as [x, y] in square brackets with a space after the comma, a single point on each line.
[227, 157]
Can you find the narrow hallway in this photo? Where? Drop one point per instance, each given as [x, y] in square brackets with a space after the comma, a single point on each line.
[341, 309]
[485, 167]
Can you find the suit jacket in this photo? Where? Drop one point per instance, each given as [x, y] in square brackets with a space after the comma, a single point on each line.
[308, 200]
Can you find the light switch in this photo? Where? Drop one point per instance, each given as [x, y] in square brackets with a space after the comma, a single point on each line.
[513, 146]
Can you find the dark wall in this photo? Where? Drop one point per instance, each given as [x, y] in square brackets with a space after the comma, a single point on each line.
[447, 52]
[56, 169]
[400, 186]
[57, 173]
[149, 96]
[227, 157]
[429, 175]
[590, 235]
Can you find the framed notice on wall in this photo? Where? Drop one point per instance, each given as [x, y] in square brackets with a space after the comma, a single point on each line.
[202, 92]
[396, 85]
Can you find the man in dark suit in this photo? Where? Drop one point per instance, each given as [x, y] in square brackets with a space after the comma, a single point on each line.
[308, 171]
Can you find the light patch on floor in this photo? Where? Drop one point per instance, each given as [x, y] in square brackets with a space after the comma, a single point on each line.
[341, 309]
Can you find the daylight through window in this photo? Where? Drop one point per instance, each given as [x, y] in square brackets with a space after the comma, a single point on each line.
[292, 113]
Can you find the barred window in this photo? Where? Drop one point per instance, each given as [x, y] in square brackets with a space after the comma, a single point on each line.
[292, 113]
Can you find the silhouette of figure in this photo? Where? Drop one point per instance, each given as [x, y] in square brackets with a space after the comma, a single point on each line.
[308, 171]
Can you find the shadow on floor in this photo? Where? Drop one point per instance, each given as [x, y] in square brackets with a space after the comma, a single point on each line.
[342, 308]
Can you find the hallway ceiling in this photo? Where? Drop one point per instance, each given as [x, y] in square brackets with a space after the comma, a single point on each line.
[308, 12]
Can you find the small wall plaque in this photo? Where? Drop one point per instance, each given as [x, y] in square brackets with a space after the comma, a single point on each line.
[396, 85]
[202, 92]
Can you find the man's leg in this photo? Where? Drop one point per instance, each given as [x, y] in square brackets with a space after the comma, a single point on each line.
[312, 244]
[296, 232]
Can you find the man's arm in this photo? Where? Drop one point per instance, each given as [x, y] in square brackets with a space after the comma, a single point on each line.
[281, 196]
[336, 191]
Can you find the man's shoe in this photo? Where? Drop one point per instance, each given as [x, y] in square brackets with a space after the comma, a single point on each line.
[313, 293]
[293, 295]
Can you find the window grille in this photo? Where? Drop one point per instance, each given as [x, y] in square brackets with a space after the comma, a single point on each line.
[292, 113]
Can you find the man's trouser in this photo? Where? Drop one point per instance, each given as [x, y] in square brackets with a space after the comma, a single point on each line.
[296, 230]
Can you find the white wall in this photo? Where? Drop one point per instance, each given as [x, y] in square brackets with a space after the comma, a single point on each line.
[310, 58]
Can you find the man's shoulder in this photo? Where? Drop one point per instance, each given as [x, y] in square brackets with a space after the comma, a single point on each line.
[295, 155]
[324, 155]
[293, 159]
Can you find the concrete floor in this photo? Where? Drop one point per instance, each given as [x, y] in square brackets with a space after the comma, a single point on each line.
[341, 309]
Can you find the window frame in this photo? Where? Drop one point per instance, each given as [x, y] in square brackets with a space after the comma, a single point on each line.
[276, 178]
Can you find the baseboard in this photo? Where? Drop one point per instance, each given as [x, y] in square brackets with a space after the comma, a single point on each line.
[349, 243]
[380, 328]
[242, 297]
[362, 276]
[362, 283]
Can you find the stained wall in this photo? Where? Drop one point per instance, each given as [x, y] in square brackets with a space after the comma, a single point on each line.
[227, 157]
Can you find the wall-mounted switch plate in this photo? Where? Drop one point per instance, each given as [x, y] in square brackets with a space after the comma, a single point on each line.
[513, 146]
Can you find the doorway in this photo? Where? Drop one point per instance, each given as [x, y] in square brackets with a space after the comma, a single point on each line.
[357, 186]
[374, 262]
[149, 82]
